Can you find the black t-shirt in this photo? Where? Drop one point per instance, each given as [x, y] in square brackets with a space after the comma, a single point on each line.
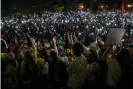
[58, 72]
[31, 71]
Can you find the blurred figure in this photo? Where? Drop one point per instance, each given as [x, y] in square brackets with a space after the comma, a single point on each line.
[76, 68]
[57, 71]
[94, 71]
[28, 71]
[114, 72]
[42, 77]
[9, 72]
[124, 59]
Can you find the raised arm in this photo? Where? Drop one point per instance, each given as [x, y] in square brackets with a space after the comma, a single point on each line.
[32, 41]
[105, 54]
[55, 46]
[68, 37]
[5, 43]
[71, 39]
[75, 39]
[34, 45]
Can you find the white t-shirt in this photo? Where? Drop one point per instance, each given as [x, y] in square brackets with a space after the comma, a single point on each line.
[77, 73]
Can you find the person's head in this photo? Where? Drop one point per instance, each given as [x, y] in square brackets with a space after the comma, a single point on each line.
[53, 55]
[77, 49]
[28, 56]
[29, 44]
[59, 37]
[92, 55]
[10, 56]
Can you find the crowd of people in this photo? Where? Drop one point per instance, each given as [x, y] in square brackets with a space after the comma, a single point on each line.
[66, 51]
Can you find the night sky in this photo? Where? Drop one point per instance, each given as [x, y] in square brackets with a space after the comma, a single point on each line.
[9, 3]
[6, 5]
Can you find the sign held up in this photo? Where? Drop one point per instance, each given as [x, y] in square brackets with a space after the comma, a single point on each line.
[114, 36]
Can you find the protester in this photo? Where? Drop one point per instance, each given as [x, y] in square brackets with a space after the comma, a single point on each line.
[77, 74]
[124, 59]
[66, 51]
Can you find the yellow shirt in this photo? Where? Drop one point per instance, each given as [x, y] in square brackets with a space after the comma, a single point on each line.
[21, 54]
[34, 54]
[91, 69]
[40, 61]
[2, 55]
[114, 70]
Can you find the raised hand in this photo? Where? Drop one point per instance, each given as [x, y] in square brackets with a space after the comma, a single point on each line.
[54, 40]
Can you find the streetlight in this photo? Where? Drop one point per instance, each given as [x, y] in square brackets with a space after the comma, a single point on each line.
[129, 6]
[81, 6]
[102, 6]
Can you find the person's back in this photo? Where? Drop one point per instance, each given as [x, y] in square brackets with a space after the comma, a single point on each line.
[101, 76]
[114, 73]
[28, 71]
[76, 68]
[77, 74]
[96, 71]
[9, 73]
[124, 59]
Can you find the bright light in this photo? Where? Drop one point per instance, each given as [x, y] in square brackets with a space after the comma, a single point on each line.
[81, 6]
[122, 40]
[92, 33]
[129, 6]
[107, 6]
[102, 6]
[79, 33]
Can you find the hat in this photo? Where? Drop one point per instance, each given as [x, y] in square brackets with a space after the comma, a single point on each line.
[40, 61]
[47, 45]
[68, 50]
[60, 47]
[93, 45]
[59, 42]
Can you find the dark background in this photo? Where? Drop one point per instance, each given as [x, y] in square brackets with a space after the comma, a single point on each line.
[13, 6]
